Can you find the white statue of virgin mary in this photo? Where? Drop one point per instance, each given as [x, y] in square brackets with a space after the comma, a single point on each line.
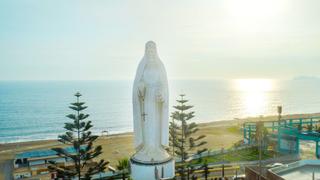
[150, 116]
[150, 108]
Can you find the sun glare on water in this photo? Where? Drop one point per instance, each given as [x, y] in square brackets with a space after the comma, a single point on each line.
[254, 85]
[253, 95]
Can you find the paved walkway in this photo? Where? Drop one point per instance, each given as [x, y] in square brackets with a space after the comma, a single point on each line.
[7, 169]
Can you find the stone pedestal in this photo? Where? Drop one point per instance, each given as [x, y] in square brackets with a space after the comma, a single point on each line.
[152, 170]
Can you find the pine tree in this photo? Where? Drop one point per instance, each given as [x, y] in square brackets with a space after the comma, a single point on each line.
[124, 167]
[174, 133]
[205, 168]
[181, 134]
[81, 139]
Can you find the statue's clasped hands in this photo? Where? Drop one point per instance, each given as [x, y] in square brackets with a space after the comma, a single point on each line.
[159, 96]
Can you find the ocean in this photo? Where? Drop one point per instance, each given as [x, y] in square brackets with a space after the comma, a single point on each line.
[36, 110]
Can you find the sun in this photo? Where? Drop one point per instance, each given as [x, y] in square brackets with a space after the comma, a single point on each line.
[253, 8]
[246, 15]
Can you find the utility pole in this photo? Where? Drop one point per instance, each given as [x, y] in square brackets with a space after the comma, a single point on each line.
[260, 163]
[313, 176]
[279, 109]
[259, 131]
[222, 169]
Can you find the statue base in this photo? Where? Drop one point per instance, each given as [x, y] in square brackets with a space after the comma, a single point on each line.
[154, 170]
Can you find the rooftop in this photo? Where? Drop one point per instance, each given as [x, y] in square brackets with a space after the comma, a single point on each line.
[299, 170]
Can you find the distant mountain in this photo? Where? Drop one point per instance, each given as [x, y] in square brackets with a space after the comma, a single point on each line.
[306, 78]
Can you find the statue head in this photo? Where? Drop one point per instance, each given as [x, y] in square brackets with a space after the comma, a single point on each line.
[151, 49]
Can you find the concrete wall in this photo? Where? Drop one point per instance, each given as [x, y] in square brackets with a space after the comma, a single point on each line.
[251, 174]
[272, 176]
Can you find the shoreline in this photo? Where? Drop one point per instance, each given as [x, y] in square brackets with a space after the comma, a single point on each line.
[215, 123]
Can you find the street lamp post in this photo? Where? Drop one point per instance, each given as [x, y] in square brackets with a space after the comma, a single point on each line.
[279, 109]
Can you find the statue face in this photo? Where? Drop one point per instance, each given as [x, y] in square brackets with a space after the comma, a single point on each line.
[151, 49]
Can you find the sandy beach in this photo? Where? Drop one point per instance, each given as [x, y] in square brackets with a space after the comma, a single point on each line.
[219, 134]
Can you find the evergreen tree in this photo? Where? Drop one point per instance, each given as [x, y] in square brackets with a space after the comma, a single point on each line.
[174, 133]
[182, 133]
[261, 134]
[205, 168]
[124, 166]
[81, 139]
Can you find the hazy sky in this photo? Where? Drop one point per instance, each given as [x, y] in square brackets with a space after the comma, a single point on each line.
[105, 39]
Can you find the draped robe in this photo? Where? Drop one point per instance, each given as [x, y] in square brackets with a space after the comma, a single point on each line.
[150, 106]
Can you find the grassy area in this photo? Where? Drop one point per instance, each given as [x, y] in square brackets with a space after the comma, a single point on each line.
[234, 129]
[250, 154]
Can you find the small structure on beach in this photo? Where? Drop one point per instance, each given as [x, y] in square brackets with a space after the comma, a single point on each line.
[150, 114]
[34, 164]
